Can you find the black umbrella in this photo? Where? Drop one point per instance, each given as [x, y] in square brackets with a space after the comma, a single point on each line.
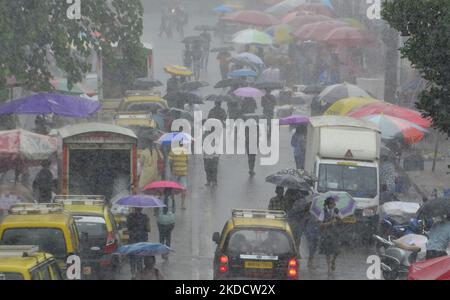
[270, 85]
[221, 98]
[146, 84]
[193, 85]
[204, 28]
[293, 179]
[222, 49]
[229, 83]
[184, 96]
[435, 208]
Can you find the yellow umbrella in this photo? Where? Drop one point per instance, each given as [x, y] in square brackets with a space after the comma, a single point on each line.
[178, 70]
[344, 106]
[282, 34]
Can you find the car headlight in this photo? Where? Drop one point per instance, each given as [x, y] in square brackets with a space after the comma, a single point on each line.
[370, 212]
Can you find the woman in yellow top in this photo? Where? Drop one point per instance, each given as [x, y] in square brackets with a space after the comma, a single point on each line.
[179, 169]
[149, 165]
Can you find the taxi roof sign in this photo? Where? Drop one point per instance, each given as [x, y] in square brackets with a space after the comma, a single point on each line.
[256, 213]
[35, 209]
[18, 250]
[91, 200]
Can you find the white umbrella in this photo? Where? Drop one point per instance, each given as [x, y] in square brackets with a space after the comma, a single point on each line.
[252, 36]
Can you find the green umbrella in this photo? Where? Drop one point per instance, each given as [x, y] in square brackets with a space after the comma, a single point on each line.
[252, 36]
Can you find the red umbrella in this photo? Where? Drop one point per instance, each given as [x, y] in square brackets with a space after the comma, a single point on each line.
[432, 269]
[392, 110]
[318, 31]
[160, 186]
[297, 20]
[316, 8]
[348, 36]
[252, 17]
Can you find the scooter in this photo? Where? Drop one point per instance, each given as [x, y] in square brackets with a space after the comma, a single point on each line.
[396, 260]
[390, 227]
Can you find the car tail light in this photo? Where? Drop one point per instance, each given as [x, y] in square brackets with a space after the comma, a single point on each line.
[223, 269]
[292, 273]
[292, 268]
[293, 263]
[111, 244]
[223, 260]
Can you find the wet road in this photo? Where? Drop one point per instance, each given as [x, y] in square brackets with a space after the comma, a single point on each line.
[209, 208]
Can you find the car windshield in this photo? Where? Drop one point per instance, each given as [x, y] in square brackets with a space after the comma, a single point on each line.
[260, 242]
[95, 227]
[49, 240]
[151, 107]
[10, 276]
[360, 182]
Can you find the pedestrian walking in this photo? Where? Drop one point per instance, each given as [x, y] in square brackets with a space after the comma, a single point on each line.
[234, 110]
[249, 106]
[224, 58]
[251, 150]
[268, 102]
[166, 24]
[138, 225]
[166, 224]
[150, 159]
[278, 202]
[330, 241]
[179, 169]
[312, 234]
[197, 54]
[150, 272]
[217, 112]
[298, 143]
[211, 165]
[173, 84]
[207, 39]
[297, 215]
[187, 56]
[43, 183]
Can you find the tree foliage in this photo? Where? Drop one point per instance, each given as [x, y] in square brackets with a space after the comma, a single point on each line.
[427, 25]
[36, 36]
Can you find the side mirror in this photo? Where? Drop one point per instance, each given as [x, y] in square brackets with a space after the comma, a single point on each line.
[216, 237]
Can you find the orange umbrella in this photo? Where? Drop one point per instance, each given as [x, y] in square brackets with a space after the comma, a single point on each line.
[297, 20]
[316, 8]
[348, 36]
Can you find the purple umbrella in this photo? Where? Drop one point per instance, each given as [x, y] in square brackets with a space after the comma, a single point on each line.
[249, 92]
[294, 120]
[48, 103]
[140, 201]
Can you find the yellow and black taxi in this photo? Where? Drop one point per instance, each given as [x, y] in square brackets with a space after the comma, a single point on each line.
[99, 234]
[27, 263]
[256, 244]
[47, 226]
[142, 101]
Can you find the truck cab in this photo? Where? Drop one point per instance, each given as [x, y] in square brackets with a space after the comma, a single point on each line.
[344, 154]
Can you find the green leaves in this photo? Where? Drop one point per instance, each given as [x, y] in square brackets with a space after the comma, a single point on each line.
[427, 25]
[37, 38]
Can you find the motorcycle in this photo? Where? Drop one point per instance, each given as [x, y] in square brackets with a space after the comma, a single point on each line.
[390, 226]
[396, 258]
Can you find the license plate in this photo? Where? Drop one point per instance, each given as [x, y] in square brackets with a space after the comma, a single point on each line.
[87, 270]
[258, 265]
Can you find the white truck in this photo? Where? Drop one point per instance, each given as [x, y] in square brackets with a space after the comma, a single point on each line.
[344, 154]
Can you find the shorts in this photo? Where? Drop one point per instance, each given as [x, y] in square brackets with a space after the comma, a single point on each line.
[181, 180]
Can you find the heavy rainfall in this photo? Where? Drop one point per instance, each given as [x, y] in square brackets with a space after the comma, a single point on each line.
[314, 139]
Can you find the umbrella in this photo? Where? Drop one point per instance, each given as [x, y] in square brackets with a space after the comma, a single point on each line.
[223, 9]
[178, 70]
[281, 34]
[249, 92]
[250, 57]
[298, 19]
[336, 92]
[144, 249]
[344, 202]
[392, 110]
[344, 106]
[348, 37]
[146, 84]
[185, 96]
[20, 146]
[180, 137]
[140, 201]
[222, 49]
[317, 31]
[392, 127]
[160, 186]
[294, 120]
[431, 269]
[242, 73]
[193, 85]
[221, 98]
[251, 17]
[283, 7]
[229, 83]
[48, 103]
[252, 36]
[270, 85]
[292, 179]
[204, 28]
[434, 208]
[316, 8]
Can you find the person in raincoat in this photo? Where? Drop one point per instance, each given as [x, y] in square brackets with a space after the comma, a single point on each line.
[179, 170]
[330, 242]
[166, 224]
[43, 183]
[149, 165]
[138, 225]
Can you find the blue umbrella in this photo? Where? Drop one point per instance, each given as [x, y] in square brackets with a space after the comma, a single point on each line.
[140, 201]
[180, 137]
[49, 103]
[223, 9]
[144, 249]
[242, 73]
